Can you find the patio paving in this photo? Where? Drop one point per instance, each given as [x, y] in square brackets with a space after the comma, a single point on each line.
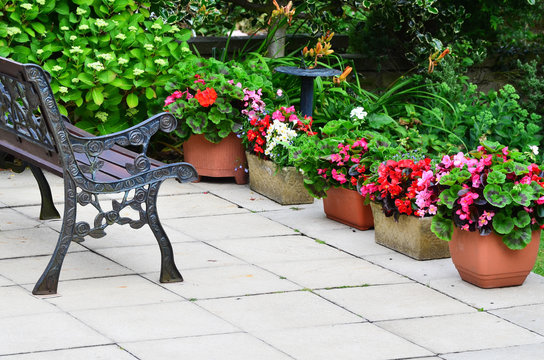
[262, 281]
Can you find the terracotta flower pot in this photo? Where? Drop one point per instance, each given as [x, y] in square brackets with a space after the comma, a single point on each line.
[284, 185]
[348, 207]
[487, 262]
[410, 235]
[224, 159]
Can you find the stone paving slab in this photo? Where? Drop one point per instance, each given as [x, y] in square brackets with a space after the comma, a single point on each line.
[353, 241]
[278, 249]
[17, 301]
[105, 352]
[330, 273]
[187, 255]
[344, 341]
[77, 265]
[128, 290]
[531, 292]
[13, 220]
[5, 282]
[396, 301]
[234, 346]
[523, 352]
[48, 331]
[461, 332]
[191, 205]
[233, 226]
[530, 317]
[227, 281]
[279, 311]
[154, 321]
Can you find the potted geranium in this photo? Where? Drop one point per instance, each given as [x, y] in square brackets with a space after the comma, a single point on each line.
[491, 210]
[211, 99]
[268, 139]
[403, 196]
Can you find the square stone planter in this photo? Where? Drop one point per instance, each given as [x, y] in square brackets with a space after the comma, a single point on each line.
[411, 235]
[283, 185]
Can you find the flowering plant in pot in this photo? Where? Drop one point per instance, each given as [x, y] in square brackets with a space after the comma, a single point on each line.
[404, 194]
[496, 195]
[268, 139]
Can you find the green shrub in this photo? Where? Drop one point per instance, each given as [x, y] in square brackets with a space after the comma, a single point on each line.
[108, 59]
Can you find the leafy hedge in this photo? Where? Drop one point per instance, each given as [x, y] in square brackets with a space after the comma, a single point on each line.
[108, 58]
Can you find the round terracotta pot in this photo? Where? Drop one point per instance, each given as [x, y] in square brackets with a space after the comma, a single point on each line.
[348, 207]
[487, 262]
[224, 159]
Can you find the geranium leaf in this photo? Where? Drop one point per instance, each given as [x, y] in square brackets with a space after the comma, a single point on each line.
[522, 219]
[522, 194]
[496, 177]
[449, 196]
[495, 196]
[518, 239]
[503, 223]
[441, 227]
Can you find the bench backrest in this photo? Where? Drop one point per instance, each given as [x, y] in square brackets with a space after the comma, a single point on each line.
[31, 126]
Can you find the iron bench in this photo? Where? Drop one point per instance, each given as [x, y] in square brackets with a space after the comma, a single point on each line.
[33, 130]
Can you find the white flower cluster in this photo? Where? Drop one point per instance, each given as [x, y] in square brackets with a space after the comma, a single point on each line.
[40, 2]
[148, 47]
[83, 27]
[534, 149]
[156, 26]
[173, 29]
[73, 38]
[101, 23]
[75, 50]
[64, 28]
[121, 36]
[13, 30]
[137, 72]
[26, 6]
[97, 66]
[276, 133]
[122, 61]
[161, 62]
[39, 51]
[80, 11]
[102, 116]
[63, 89]
[105, 56]
[56, 68]
[358, 113]
[132, 28]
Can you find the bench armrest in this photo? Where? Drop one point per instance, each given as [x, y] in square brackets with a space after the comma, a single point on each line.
[136, 135]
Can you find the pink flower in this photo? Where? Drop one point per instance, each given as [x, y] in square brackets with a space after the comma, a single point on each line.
[277, 115]
[293, 118]
[505, 151]
[446, 160]
[290, 109]
[465, 227]
[279, 92]
[336, 158]
[341, 178]
[432, 209]
[426, 178]
[459, 160]
[169, 100]
[540, 200]
[476, 180]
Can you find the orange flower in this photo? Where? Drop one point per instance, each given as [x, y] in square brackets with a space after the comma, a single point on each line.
[207, 97]
[342, 77]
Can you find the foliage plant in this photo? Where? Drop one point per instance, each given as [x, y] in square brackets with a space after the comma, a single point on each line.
[403, 185]
[213, 98]
[108, 60]
[491, 189]
[270, 137]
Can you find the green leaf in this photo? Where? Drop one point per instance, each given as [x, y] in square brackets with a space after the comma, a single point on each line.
[522, 194]
[39, 27]
[150, 93]
[122, 83]
[132, 100]
[496, 197]
[86, 78]
[106, 77]
[449, 196]
[496, 177]
[198, 122]
[518, 239]
[503, 223]
[62, 8]
[97, 96]
[522, 219]
[441, 227]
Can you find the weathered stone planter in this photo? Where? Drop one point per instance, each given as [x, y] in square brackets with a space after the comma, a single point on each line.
[410, 236]
[283, 185]
[348, 207]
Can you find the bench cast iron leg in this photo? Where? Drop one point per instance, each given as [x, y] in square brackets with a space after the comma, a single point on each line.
[47, 284]
[169, 271]
[48, 210]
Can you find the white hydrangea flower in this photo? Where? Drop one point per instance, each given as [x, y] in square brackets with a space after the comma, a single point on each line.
[105, 56]
[97, 66]
[75, 80]
[358, 113]
[121, 36]
[156, 26]
[137, 72]
[39, 51]
[149, 47]
[122, 61]
[40, 2]
[101, 23]
[173, 29]
[161, 62]
[80, 11]
[102, 116]
[63, 89]
[56, 68]
[84, 27]
[132, 28]
[26, 6]
[184, 49]
[13, 30]
[64, 28]
[534, 149]
[76, 50]
[73, 38]
[157, 39]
